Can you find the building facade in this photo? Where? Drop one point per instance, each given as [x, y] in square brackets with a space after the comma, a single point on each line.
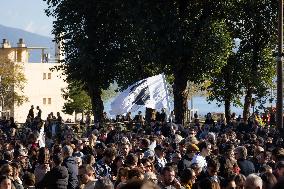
[43, 87]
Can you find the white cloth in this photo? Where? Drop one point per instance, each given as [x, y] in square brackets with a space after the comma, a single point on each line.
[200, 160]
[151, 92]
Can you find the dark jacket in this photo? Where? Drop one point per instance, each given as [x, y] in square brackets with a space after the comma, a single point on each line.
[56, 178]
[246, 167]
[72, 167]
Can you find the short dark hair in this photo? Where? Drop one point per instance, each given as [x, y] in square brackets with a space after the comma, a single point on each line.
[110, 152]
[203, 144]
[167, 168]
[29, 179]
[57, 159]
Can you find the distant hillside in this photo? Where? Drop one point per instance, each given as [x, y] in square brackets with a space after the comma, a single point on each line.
[31, 40]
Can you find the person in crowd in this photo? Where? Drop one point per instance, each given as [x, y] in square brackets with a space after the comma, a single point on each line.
[70, 163]
[269, 180]
[168, 179]
[253, 182]
[205, 150]
[39, 112]
[86, 176]
[279, 171]
[187, 178]
[57, 177]
[29, 180]
[207, 183]
[246, 166]
[31, 114]
[5, 182]
[102, 167]
[42, 166]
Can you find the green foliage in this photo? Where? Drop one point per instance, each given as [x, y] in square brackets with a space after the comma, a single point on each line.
[12, 83]
[77, 99]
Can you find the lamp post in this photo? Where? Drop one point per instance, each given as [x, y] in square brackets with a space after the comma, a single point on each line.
[279, 105]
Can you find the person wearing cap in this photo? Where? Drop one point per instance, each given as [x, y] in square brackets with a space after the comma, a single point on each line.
[185, 162]
[160, 160]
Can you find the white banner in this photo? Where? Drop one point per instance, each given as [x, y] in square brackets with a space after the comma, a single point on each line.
[151, 92]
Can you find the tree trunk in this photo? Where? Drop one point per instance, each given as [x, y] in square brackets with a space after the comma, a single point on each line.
[228, 109]
[247, 104]
[180, 97]
[97, 103]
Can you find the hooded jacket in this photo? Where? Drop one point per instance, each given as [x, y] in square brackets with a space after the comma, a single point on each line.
[72, 167]
[56, 178]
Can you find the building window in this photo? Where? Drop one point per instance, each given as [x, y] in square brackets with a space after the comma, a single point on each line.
[49, 76]
[44, 100]
[44, 76]
[49, 100]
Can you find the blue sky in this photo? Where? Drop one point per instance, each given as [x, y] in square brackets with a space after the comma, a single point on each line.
[27, 15]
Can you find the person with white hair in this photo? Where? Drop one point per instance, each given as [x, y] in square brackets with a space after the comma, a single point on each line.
[253, 182]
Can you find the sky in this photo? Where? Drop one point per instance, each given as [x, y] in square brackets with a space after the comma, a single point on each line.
[27, 15]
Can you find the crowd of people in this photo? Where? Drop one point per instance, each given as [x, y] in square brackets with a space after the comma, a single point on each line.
[138, 153]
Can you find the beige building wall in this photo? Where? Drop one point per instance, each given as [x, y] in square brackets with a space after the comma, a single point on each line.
[43, 87]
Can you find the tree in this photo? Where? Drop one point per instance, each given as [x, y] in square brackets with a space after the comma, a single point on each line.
[12, 82]
[255, 24]
[188, 40]
[87, 30]
[78, 100]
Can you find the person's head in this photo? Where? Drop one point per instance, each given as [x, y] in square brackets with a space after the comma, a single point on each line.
[122, 174]
[109, 155]
[140, 184]
[168, 174]
[67, 151]
[150, 176]
[229, 183]
[7, 170]
[208, 183]
[5, 182]
[253, 182]
[191, 150]
[86, 174]
[124, 149]
[240, 181]
[89, 159]
[144, 143]
[32, 106]
[188, 176]
[135, 173]
[280, 168]
[147, 165]
[104, 183]
[269, 180]
[43, 156]
[205, 148]
[57, 159]
[28, 179]
[37, 107]
[131, 160]
[213, 166]
[240, 152]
